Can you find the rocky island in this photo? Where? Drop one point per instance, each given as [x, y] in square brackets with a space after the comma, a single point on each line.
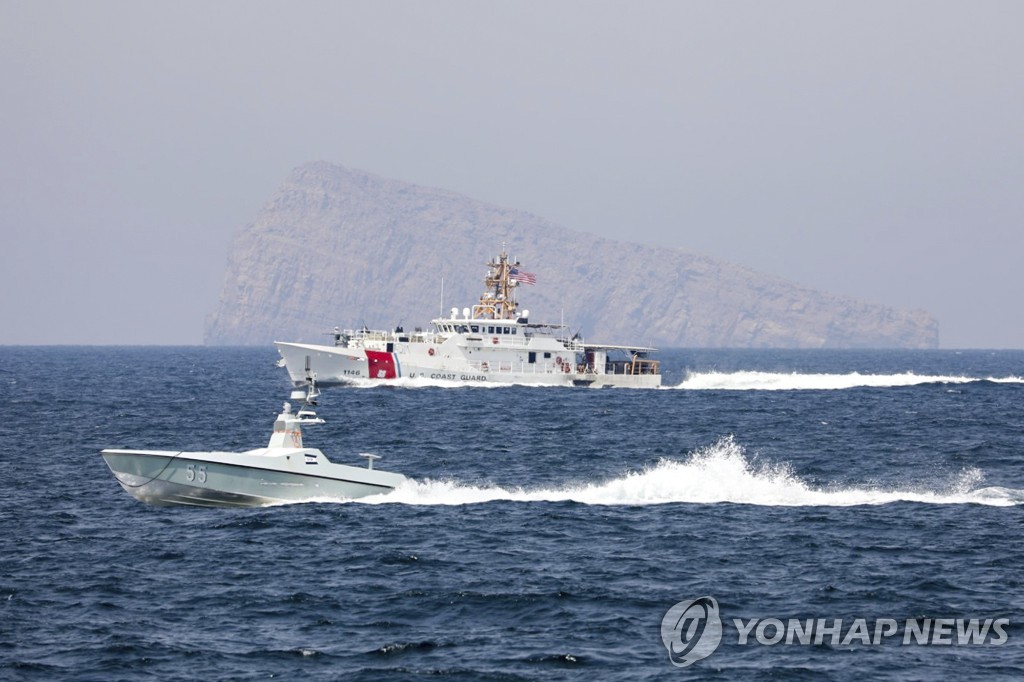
[341, 247]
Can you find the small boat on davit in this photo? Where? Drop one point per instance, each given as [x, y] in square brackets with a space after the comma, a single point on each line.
[492, 342]
[282, 472]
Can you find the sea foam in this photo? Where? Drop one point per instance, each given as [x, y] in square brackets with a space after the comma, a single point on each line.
[718, 473]
[728, 381]
[776, 381]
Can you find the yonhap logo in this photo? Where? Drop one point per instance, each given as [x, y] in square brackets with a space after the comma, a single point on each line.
[691, 630]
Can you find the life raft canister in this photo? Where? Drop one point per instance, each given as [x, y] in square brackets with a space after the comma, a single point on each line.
[430, 351]
[494, 340]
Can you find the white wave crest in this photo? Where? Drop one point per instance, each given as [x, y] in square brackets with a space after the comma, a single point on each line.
[719, 473]
[775, 381]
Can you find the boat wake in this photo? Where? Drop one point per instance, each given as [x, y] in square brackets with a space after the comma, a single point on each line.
[729, 381]
[775, 381]
[721, 472]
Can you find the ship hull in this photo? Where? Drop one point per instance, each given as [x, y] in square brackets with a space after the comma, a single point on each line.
[167, 478]
[481, 362]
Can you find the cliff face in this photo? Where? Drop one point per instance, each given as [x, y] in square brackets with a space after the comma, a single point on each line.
[338, 247]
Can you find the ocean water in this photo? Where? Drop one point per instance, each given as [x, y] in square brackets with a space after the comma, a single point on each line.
[546, 532]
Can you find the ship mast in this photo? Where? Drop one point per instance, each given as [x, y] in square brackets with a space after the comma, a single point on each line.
[498, 302]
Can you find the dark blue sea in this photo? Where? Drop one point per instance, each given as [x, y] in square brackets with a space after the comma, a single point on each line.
[546, 534]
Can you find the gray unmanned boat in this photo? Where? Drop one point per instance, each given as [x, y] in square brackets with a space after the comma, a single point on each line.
[282, 472]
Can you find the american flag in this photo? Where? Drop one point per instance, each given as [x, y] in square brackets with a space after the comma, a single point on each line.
[522, 276]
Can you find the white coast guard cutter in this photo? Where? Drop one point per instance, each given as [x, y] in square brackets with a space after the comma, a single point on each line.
[492, 342]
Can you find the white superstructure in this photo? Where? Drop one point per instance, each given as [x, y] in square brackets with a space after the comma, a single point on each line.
[489, 342]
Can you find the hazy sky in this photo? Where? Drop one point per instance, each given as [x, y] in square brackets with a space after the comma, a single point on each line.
[874, 149]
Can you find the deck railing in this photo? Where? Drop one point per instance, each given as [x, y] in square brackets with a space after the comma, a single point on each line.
[361, 337]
